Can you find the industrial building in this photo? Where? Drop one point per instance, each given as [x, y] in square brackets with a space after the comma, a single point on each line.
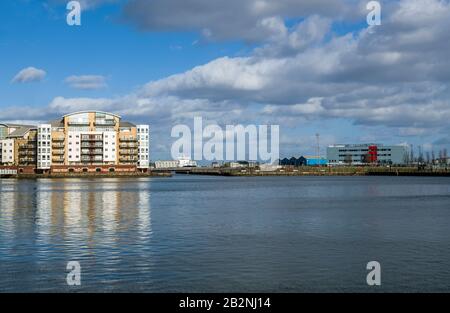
[86, 141]
[173, 164]
[304, 161]
[363, 154]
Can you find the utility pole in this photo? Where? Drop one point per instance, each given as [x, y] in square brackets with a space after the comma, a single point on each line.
[318, 146]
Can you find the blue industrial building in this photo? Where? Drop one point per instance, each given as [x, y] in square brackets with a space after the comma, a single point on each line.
[316, 161]
[304, 161]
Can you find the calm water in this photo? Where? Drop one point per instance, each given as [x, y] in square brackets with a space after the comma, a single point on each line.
[218, 234]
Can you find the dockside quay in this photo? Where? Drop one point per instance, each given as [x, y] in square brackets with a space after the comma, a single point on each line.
[80, 142]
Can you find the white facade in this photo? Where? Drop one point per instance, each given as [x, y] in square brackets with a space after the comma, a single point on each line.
[7, 151]
[143, 135]
[74, 146]
[185, 162]
[269, 167]
[167, 164]
[109, 147]
[44, 144]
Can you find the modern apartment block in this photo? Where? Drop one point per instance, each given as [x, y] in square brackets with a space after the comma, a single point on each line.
[17, 144]
[86, 141]
[360, 154]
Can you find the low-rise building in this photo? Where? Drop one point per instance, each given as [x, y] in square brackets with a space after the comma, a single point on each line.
[316, 161]
[362, 154]
[167, 164]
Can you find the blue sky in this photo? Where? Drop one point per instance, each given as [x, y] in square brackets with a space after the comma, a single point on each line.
[309, 66]
[36, 35]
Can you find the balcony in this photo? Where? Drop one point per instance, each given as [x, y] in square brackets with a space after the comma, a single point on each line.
[57, 145]
[128, 145]
[128, 152]
[105, 123]
[27, 152]
[28, 146]
[127, 159]
[91, 159]
[92, 138]
[92, 151]
[128, 139]
[58, 152]
[92, 145]
[58, 159]
[78, 123]
[58, 139]
[27, 160]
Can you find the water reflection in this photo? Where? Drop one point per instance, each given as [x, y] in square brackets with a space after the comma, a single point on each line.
[224, 234]
[55, 221]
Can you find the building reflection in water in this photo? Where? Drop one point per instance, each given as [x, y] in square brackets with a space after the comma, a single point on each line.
[86, 214]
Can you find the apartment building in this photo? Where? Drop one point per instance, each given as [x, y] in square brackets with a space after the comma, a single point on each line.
[84, 141]
[17, 144]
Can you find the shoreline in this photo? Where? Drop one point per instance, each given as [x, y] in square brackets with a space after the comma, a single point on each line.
[87, 175]
[314, 171]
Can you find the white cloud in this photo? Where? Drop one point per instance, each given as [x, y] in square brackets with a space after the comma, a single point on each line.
[86, 82]
[251, 20]
[29, 74]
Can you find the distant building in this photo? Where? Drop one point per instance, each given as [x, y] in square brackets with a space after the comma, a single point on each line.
[173, 164]
[269, 167]
[169, 164]
[362, 154]
[241, 164]
[186, 162]
[301, 161]
[316, 161]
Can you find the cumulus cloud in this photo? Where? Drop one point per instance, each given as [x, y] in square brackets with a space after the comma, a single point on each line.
[29, 74]
[378, 76]
[251, 20]
[86, 82]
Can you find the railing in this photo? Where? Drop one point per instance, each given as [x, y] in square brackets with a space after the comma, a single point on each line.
[91, 138]
[27, 152]
[128, 145]
[105, 123]
[128, 159]
[129, 152]
[58, 139]
[91, 152]
[91, 159]
[128, 139]
[57, 159]
[78, 123]
[91, 145]
[58, 152]
[25, 160]
[57, 145]
[28, 146]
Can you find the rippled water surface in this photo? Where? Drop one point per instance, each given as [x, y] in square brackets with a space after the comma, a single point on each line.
[218, 234]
